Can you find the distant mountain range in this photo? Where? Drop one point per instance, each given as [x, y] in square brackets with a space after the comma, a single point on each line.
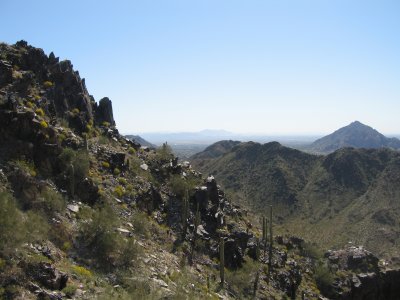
[348, 195]
[355, 135]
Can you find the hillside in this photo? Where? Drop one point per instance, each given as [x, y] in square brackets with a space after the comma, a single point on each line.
[140, 140]
[349, 195]
[87, 214]
[355, 135]
[215, 150]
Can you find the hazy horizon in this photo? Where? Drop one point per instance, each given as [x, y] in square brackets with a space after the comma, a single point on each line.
[262, 67]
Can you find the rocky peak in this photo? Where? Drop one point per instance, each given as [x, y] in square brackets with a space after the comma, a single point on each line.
[30, 75]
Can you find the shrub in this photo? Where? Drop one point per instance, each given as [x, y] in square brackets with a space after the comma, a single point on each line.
[29, 104]
[117, 171]
[178, 185]
[119, 191]
[105, 164]
[50, 201]
[43, 124]
[105, 124]
[76, 111]
[70, 290]
[82, 271]
[48, 84]
[10, 227]
[122, 181]
[39, 112]
[164, 153]
[324, 279]
[27, 167]
[141, 224]
[131, 151]
[106, 245]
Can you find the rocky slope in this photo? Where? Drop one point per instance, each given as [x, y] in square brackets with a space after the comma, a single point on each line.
[88, 214]
[355, 135]
[348, 195]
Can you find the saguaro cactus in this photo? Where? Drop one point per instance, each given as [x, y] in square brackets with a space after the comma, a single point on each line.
[71, 175]
[197, 220]
[255, 287]
[185, 214]
[222, 260]
[270, 241]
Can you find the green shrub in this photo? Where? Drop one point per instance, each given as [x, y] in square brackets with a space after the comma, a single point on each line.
[119, 191]
[82, 271]
[324, 279]
[44, 124]
[117, 171]
[39, 112]
[48, 84]
[10, 223]
[70, 290]
[122, 180]
[100, 238]
[27, 167]
[105, 164]
[178, 185]
[141, 224]
[242, 279]
[50, 201]
[80, 162]
[164, 153]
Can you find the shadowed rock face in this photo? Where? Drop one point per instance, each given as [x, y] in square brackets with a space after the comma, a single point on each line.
[104, 112]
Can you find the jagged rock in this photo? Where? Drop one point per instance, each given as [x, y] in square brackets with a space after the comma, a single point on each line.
[5, 73]
[233, 254]
[47, 275]
[104, 112]
[353, 258]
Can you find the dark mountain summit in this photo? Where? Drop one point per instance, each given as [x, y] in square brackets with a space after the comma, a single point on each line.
[355, 135]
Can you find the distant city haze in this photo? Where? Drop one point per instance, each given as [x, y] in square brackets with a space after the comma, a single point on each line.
[260, 67]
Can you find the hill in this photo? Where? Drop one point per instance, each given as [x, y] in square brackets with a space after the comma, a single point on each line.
[140, 140]
[215, 150]
[348, 195]
[355, 135]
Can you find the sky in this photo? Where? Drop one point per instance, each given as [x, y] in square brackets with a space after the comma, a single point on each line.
[271, 67]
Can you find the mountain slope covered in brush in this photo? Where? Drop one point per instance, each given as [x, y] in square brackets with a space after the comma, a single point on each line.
[348, 195]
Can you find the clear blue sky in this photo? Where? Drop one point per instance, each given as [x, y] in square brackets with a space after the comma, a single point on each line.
[277, 67]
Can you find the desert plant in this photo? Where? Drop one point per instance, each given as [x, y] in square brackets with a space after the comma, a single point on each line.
[270, 241]
[44, 124]
[222, 260]
[47, 84]
[10, 227]
[39, 112]
[185, 214]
